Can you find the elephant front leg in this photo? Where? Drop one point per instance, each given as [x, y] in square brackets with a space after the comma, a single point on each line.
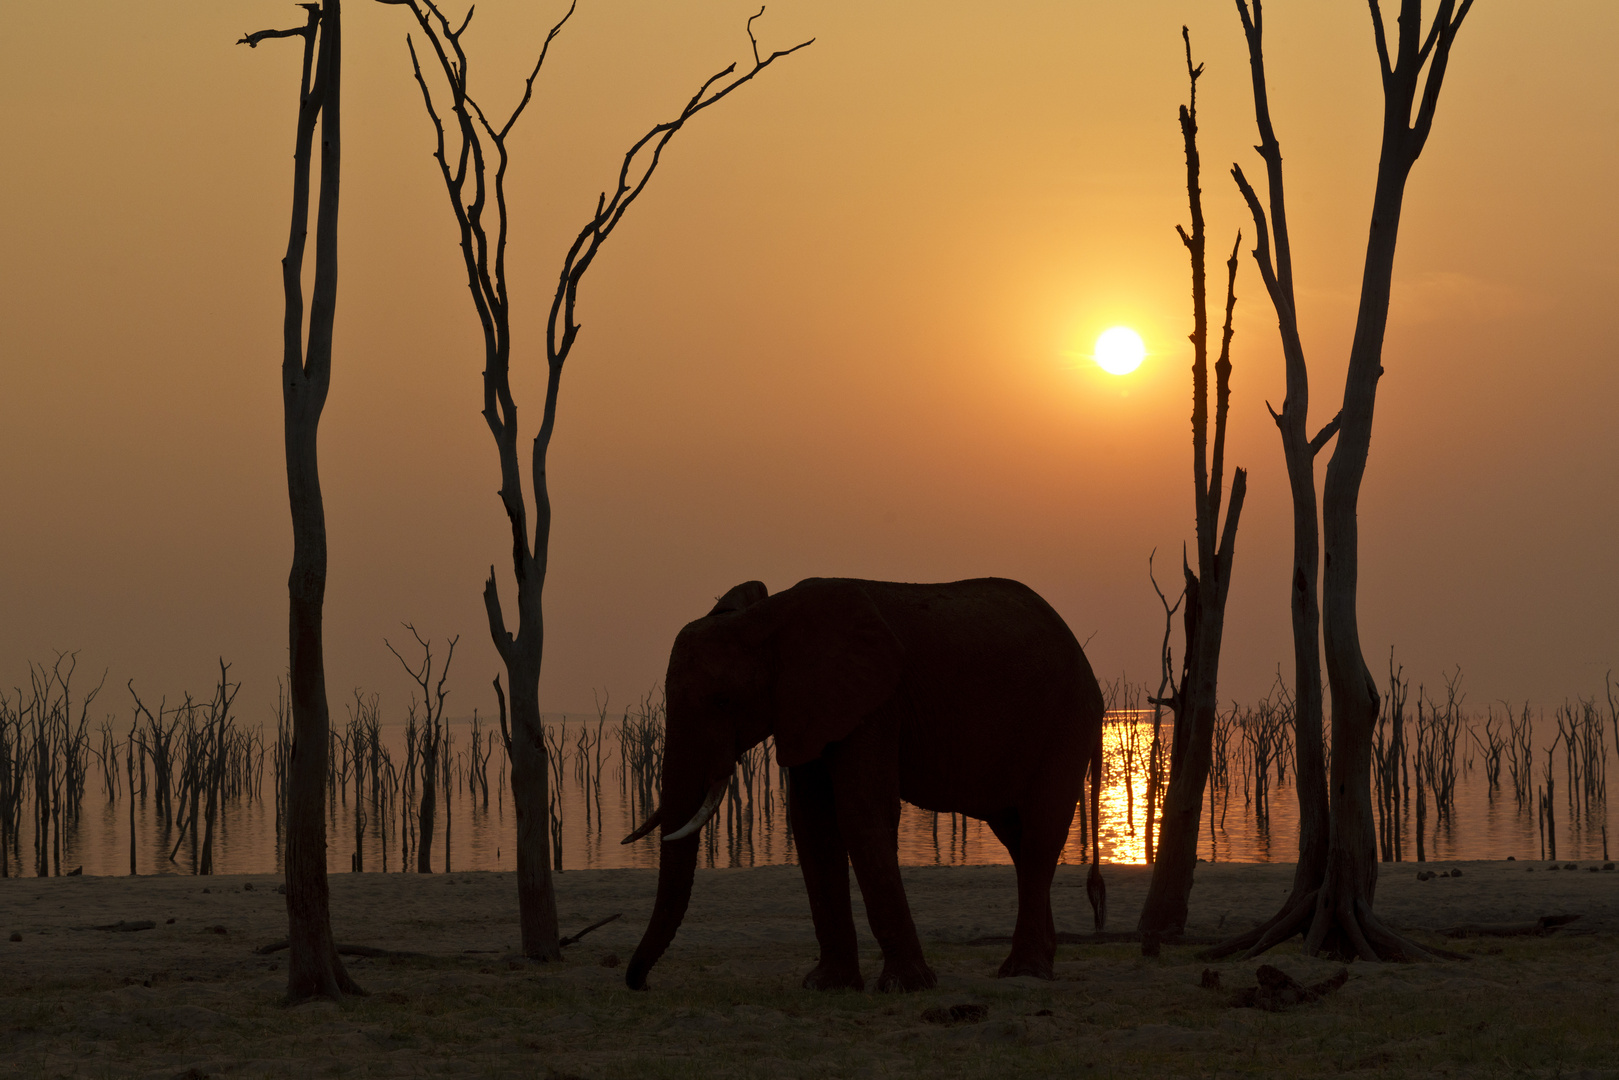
[824, 860]
[868, 818]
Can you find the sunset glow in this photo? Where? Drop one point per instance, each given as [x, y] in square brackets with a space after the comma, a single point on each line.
[1120, 350]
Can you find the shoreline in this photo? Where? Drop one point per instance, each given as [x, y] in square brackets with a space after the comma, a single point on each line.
[755, 905]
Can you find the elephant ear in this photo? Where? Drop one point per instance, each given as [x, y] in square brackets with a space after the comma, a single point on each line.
[740, 598]
[837, 661]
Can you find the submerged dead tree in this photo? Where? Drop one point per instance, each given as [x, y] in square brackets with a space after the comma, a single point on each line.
[313, 969]
[1192, 746]
[1336, 877]
[477, 149]
[432, 728]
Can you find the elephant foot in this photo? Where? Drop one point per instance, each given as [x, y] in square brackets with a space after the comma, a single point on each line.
[824, 976]
[1015, 965]
[904, 978]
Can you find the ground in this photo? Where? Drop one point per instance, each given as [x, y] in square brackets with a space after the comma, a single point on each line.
[190, 997]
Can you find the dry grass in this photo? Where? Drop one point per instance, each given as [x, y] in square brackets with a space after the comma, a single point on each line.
[1542, 1007]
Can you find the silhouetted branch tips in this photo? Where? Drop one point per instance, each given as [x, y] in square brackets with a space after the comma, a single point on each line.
[1191, 72]
[528, 86]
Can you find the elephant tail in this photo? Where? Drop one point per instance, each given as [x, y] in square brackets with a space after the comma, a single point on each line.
[1095, 887]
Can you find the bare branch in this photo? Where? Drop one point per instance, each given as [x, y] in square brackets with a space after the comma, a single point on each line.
[252, 40]
[1382, 42]
[753, 40]
[1222, 383]
[528, 87]
[1325, 434]
[562, 328]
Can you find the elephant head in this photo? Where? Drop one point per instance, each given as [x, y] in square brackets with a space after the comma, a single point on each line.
[806, 666]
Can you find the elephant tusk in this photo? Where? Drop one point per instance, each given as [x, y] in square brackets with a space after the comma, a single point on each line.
[646, 826]
[706, 811]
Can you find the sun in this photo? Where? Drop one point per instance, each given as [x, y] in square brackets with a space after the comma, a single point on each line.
[1120, 350]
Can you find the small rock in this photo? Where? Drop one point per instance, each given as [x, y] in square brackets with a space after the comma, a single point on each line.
[1571, 866]
[215, 930]
[207, 891]
[247, 886]
[15, 936]
[1607, 866]
[1210, 980]
[1045, 1012]
[281, 889]
[1554, 866]
[168, 922]
[1455, 873]
[1512, 858]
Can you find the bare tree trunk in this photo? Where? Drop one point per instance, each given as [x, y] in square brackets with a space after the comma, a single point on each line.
[1299, 451]
[1335, 881]
[530, 780]
[1169, 891]
[313, 969]
[429, 804]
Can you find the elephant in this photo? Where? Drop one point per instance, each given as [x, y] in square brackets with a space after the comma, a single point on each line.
[970, 697]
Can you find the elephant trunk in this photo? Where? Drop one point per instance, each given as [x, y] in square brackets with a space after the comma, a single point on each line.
[677, 866]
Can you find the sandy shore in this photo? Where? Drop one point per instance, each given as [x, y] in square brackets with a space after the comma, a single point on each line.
[190, 993]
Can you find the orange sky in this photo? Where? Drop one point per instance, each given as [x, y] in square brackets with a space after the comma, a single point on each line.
[835, 336]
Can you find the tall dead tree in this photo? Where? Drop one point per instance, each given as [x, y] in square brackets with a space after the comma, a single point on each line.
[1336, 877]
[479, 147]
[313, 969]
[1192, 746]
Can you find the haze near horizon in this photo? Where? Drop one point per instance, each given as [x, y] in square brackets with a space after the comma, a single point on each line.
[843, 333]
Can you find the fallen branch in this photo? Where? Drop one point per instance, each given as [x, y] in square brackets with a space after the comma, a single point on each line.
[349, 950]
[1277, 990]
[1106, 937]
[574, 940]
[1544, 925]
[375, 953]
[125, 926]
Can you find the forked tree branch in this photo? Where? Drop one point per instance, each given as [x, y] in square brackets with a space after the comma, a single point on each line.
[562, 328]
[1166, 675]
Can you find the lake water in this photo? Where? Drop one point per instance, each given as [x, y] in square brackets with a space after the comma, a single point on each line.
[599, 805]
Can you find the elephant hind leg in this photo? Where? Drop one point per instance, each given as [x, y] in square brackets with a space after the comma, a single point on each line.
[1039, 844]
[824, 860]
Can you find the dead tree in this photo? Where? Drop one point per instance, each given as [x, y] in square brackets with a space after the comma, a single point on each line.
[1336, 877]
[1192, 746]
[432, 736]
[313, 968]
[479, 147]
[1168, 697]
